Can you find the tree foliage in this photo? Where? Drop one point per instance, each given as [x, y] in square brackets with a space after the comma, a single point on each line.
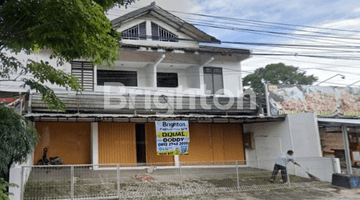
[277, 74]
[17, 137]
[71, 29]
[4, 194]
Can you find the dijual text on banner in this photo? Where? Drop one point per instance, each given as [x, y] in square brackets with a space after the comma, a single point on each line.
[172, 137]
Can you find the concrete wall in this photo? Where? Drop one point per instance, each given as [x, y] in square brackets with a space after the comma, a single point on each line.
[321, 167]
[298, 133]
[190, 78]
[304, 133]
[15, 176]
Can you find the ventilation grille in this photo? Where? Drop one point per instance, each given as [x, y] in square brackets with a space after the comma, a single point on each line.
[84, 71]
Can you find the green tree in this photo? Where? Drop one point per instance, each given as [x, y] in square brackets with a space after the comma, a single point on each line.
[70, 29]
[17, 139]
[277, 74]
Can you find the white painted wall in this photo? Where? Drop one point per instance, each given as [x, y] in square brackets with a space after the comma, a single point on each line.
[188, 66]
[189, 73]
[231, 73]
[305, 135]
[298, 133]
[15, 176]
[190, 78]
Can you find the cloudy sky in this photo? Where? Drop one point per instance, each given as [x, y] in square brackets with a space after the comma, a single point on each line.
[332, 23]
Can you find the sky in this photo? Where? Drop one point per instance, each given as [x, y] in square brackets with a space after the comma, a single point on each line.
[334, 23]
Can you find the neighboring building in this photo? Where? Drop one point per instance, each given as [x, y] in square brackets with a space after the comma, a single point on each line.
[337, 110]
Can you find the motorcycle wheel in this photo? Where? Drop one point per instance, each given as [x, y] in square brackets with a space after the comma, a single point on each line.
[40, 162]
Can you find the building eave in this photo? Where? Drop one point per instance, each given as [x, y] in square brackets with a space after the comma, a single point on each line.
[62, 117]
[202, 49]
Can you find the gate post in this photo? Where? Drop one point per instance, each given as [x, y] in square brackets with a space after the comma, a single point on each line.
[21, 183]
[237, 175]
[72, 182]
[180, 173]
[288, 178]
[118, 180]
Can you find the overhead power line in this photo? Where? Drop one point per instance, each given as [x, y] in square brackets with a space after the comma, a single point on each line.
[258, 23]
[264, 22]
[321, 40]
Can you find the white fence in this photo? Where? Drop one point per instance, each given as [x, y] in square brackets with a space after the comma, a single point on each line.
[111, 181]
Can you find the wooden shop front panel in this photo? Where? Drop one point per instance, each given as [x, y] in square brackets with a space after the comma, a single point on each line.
[214, 144]
[70, 141]
[117, 143]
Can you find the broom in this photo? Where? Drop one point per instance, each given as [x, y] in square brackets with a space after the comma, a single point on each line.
[312, 177]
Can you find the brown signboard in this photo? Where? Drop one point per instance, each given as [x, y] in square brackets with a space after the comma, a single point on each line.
[325, 101]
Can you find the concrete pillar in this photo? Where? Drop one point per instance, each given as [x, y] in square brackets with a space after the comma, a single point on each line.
[94, 143]
[336, 165]
[177, 160]
[240, 90]
[95, 76]
[15, 177]
[148, 29]
[151, 72]
[347, 149]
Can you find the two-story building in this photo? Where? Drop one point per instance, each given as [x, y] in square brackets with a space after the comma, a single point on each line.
[164, 72]
[167, 70]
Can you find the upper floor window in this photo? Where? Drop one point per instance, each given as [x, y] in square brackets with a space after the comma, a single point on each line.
[84, 71]
[167, 79]
[137, 32]
[213, 79]
[161, 34]
[108, 77]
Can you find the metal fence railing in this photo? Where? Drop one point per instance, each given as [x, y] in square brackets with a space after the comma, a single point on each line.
[111, 181]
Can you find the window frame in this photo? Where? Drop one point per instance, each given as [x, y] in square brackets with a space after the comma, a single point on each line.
[172, 37]
[85, 73]
[214, 71]
[133, 74]
[138, 32]
[169, 77]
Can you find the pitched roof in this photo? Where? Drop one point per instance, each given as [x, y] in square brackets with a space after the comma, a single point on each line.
[168, 18]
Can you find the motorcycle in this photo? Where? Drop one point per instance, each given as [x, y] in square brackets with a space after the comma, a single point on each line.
[51, 161]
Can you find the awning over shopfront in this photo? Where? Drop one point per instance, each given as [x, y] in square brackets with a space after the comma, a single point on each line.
[151, 118]
[338, 122]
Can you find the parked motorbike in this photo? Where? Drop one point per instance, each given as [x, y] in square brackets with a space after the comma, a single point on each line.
[51, 161]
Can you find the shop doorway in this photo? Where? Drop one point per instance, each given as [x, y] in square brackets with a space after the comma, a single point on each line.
[140, 144]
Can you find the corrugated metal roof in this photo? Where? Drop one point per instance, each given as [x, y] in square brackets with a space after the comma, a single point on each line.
[147, 104]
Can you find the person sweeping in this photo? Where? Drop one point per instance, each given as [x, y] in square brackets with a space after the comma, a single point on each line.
[281, 164]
